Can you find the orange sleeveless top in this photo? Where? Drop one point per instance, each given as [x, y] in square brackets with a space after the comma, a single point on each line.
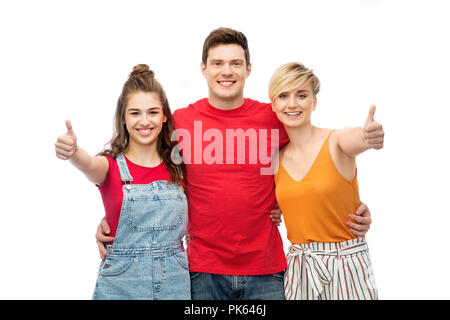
[316, 208]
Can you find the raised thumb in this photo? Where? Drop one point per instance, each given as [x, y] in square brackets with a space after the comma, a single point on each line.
[371, 113]
[70, 130]
[69, 127]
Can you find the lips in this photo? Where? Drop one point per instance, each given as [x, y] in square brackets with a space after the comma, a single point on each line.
[144, 131]
[293, 114]
[226, 83]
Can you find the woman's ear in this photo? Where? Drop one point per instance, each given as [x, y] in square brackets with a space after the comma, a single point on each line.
[315, 103]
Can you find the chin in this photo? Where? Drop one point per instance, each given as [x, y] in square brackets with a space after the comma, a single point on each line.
[146, 141]
[292, 124]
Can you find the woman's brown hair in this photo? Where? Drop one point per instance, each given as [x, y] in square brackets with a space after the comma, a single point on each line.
[143, 79]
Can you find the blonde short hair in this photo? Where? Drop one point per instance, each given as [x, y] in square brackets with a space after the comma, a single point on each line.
[291, 76]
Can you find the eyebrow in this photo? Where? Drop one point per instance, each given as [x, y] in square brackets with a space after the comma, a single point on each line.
[232, 60]
[137, 109]
[296, 91]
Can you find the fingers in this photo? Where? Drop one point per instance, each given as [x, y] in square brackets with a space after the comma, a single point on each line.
[362, 215]
[276, 212]
[373, 131]
[102, 250]
[64, 148]
[101, 235]
[66, 145]
[66, 140]
[102, 238]
[360, 221]
[105, 226]
[62, 157]
[358, 227]
[362, 208]
[275, 220]
[359, 234]
[275, 216]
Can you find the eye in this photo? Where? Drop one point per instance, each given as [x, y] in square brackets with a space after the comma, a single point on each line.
[282, 96]
[301, 96]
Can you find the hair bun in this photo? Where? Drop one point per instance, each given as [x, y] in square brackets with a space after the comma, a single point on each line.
[141, 70]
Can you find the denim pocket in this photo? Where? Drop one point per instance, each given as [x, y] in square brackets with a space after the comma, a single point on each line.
[278, 276]
[195, 275]
[181, 257]
[114, 266]
[164, 211]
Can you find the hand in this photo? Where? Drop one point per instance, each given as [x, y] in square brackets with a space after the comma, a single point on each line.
[361, 221]
[373, 131]
[275, 216]
[102, 238]
[66, 145]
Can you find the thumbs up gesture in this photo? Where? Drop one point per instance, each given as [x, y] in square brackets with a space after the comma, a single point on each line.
[373, 131]
[66, 145]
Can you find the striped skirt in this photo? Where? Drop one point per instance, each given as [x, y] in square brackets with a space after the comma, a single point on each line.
[330, 271]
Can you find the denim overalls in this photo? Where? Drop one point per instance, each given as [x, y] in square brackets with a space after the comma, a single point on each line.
[147, 259]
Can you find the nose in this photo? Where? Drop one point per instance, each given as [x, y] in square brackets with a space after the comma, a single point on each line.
[292, 102]
[144, 121]
[226, 70]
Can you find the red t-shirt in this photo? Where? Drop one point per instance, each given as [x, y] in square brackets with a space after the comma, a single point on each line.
[111, 190]
[230, 231]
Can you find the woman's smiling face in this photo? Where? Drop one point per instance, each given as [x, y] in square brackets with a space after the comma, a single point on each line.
[293, 108]
[144, 117]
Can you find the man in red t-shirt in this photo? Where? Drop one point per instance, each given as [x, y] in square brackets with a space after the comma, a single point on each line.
[235, 251]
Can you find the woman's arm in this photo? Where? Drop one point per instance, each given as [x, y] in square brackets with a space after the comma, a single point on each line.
[94, 168]
[353, 141]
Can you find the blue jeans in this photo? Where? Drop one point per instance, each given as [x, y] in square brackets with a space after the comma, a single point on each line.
[207, 286]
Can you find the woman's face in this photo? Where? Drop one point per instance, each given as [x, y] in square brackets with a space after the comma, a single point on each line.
[294, 108]
[144, 117]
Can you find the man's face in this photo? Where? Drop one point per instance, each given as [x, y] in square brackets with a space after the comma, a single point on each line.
[225, 72]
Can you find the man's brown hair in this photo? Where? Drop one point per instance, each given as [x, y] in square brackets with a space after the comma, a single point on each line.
[225, 36]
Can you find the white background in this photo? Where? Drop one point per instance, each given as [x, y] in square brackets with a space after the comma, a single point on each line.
[68, 60]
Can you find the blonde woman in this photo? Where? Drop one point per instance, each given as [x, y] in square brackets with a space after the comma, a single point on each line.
[316, 189]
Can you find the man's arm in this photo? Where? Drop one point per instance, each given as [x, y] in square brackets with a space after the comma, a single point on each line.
[361, 221]
[275, 216]
[359, 225]
[101, 236]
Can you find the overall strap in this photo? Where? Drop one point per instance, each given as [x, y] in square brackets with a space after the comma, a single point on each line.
[123, 168]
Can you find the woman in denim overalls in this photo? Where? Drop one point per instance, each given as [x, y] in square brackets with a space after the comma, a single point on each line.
[147, 259]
